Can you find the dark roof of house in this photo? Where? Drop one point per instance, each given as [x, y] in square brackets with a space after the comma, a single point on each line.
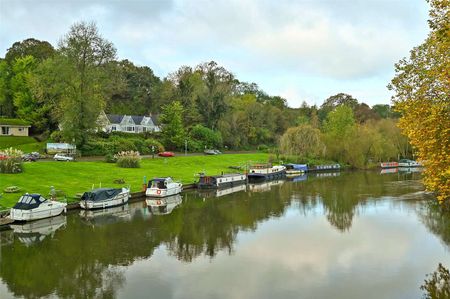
[155, 118]
[137, 119]
[114, 118]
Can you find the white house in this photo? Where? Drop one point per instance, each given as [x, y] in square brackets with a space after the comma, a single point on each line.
[127, 123]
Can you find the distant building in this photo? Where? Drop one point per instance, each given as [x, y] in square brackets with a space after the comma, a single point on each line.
[13, 127]
[127, 123]
[66, 148]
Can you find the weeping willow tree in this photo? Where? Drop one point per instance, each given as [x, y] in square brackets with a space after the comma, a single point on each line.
[303, 140]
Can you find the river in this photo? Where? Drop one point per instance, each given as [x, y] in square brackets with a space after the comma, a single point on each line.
[333, 235]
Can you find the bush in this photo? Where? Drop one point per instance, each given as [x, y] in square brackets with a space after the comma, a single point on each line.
[205, 137]
[11, 161]
[128, 159]
[152, 142]
[56, 136]
[263, 148]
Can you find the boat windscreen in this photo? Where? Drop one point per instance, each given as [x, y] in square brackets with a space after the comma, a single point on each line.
[29, 201]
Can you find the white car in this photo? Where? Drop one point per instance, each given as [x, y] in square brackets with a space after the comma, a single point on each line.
[62, 157]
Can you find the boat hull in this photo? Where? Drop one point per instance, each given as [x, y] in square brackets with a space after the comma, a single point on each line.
[118, 200]
[385, 165]
[159, 193]
[44, 211]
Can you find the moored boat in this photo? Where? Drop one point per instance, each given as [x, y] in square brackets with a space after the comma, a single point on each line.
[162, 187]
[266, 172]
[408, 163]
[295, 169]
[221, 181]
[163, 206]
[389, 164]
[104, 198]
[34, 206]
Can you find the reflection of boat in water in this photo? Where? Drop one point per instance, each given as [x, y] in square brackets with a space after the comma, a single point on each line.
[410, 169]
[222, 192]
[263, 187]
[163, 206]
[297, 178]
[108, 215]
[327, 174]
[388, 170]
[36, 231]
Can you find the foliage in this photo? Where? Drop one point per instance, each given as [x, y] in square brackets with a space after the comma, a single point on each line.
[204, 138]
[304, 141]
[39, 50]
[422, 90]
[172, 129]
[11, 161]
[438, 284]
[152, 143]
[128, 159]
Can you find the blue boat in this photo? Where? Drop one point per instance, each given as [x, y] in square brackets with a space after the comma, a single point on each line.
[295, 169]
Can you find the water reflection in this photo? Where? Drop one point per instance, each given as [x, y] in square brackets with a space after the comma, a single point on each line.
[279, 232]
[221, 192]
[163, 206]
[36, 231]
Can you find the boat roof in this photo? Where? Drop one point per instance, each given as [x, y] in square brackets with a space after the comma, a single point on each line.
[297, 166]
[100, 194]
[225, 175]
[160, 179]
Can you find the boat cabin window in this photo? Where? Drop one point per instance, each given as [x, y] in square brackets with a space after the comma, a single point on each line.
[159, 184]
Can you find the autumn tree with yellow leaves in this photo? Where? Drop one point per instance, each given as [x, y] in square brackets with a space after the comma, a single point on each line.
[422, 96]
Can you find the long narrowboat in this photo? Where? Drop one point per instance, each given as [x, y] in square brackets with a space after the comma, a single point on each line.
[221, 181]
[328, 167]
[266, 172]
[389, 164]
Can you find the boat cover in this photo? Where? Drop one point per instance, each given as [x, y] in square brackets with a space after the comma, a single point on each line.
[29, 201]
[301, 167]
[100, 194]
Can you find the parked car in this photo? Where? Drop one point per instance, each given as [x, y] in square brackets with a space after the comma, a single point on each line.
[62, 157]
[31, 157]
[166, 154]
[212, 152]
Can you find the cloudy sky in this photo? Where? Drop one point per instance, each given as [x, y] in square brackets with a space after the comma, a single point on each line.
[303, 50]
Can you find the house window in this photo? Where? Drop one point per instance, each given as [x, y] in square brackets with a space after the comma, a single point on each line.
[130, 129]
[144, 129]
[5, 130]
[20, 129]
[113, 128]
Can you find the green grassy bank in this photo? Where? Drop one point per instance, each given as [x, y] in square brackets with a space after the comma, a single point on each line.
[76, 177]
[24, 143]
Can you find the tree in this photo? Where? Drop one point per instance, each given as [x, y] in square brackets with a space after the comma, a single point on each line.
[6, 103]
[422, 91]
[340, 128]
[40, 50]
[334, 101]
[172, 129]
[303, 140]
[78, 78]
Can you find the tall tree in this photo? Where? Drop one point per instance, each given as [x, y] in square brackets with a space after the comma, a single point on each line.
[334, 101]
[172, 129]
[6, 102]
[422, 96]
[79, 73]
[303, 140]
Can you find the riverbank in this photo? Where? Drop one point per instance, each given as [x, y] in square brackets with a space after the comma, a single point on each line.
[76, 177]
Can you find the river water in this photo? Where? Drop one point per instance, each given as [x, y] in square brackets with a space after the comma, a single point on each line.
[334, 235]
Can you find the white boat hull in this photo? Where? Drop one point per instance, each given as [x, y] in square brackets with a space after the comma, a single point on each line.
[120, 199]
[171, 190]
[45, 210]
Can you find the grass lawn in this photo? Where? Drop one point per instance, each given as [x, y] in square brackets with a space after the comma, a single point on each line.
[77, 177]
[14, 141]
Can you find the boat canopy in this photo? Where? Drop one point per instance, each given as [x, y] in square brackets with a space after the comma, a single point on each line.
[301, 167]
[100, 194]
[29, 201]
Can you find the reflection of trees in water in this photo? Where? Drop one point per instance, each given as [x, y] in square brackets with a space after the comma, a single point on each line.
[436, 220]
[342, 195]
[82, 260]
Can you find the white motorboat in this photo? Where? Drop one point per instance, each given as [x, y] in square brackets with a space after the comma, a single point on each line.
[162, 187]
[104, 198]
[408, 163]
[163, 206]
[34, 206]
